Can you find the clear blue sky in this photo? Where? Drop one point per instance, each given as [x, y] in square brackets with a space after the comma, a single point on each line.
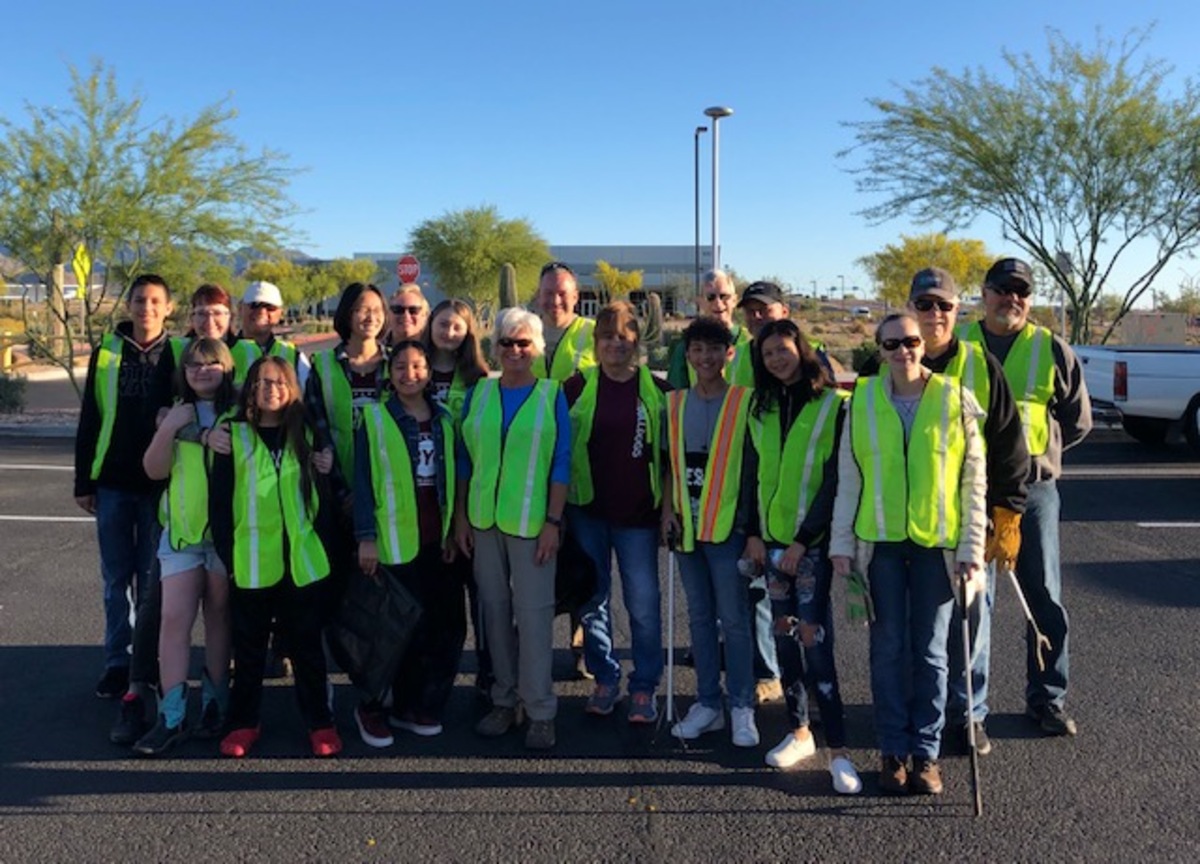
[576, 116]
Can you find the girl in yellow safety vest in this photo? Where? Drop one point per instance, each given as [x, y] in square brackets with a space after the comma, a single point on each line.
[269, 522]
[910, 510]
[403, 500]
[788, 484]
[191, 570]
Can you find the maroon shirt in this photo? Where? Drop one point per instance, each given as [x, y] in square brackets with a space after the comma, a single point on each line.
[619, 451]
[429, 512]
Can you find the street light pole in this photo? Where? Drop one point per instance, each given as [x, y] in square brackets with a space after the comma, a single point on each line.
[716, 113]
[700, 130]
[842, 279]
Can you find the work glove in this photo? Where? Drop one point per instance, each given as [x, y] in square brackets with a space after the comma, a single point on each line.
[1004, 540]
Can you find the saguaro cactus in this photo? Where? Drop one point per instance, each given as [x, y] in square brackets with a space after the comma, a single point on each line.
[654, 319]
[508, 286]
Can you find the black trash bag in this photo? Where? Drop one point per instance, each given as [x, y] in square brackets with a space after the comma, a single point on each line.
[372, 629]
[574, 577]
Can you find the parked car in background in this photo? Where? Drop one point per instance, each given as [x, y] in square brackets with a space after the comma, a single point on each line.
[1154, 390]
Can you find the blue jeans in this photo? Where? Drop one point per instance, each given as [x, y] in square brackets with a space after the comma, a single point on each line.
[914, 605]
[805, 596]
[766, 660]
[716, 590]
[127, 532]
[637, 561]
[979, 618]
[1041, 580]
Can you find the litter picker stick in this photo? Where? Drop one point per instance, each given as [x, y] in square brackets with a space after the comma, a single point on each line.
[965, 617]
[1041, 640]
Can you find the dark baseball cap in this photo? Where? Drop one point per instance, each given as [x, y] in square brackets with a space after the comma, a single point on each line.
[935, 281]
[1008, 270]
[763, 292]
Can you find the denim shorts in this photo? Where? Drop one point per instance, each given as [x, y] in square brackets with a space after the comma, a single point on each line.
[175, 561]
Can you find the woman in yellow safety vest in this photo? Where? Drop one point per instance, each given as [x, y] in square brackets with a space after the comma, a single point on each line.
[617, 413]
[268, 522]
[403, 499]
[788, 484]
[706, 428]
[910, 511]
[514, 467]
[456, 363]
[190, 568]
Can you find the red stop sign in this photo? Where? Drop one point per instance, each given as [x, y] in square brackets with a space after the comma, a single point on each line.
[408, 268]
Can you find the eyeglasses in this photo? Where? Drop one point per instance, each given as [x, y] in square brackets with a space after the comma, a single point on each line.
[925, 304]
[1012, 289]
[203, 364]
[210, 313]
[400, 309]
[907, 342]
[514, 343]
[258, 307]
[271, 384]
[713, 297]
[554, 266]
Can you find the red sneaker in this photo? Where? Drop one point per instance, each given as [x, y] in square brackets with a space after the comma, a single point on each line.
[239, 742]
[325, 742]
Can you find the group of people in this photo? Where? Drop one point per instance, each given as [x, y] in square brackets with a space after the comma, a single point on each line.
[397, 456]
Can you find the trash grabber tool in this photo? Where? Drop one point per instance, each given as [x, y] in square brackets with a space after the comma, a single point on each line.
[669, 715]
[1041, 641]
[965, 618]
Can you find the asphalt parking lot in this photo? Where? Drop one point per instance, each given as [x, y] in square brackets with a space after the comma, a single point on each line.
[1125, 788]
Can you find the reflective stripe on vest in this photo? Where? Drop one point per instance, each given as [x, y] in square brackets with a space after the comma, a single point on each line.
[575, 351]
[246, 351]
[183, 508]
[339, 406]
[268, 505]
[583, 414]
[1029, 370]
[722, 472]
[108, 369]
[397, 528]
[510, 479]
[790, 472]
[909, 491]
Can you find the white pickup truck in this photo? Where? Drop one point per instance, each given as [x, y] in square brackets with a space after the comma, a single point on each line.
[1154, 390]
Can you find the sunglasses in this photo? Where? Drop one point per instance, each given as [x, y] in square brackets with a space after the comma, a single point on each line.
[399, 309]
[1010, 290]
[514, 343]
[554, 266]
[925, 305]
[712, 298]
[258, 307]
[203, 364]
[907, 342]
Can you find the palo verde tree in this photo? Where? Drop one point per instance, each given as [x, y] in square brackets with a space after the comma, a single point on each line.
[135, 193]
[613, 283]
[466, 249]
[1084, 158]
[893, 266]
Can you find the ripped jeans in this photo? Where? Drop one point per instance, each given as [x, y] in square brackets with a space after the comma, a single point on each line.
[805, 597]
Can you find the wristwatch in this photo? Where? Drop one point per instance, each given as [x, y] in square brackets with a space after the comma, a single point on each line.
[556, 521]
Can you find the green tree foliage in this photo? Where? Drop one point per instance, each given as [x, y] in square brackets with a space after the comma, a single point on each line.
[305, 284]
[466, 248]
[1094, 152]
[169, 194]
[892, 267]
[613, 283]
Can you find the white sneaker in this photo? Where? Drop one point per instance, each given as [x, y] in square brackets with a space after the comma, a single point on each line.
[699, 719]
[745, 733]
[845, 778]
[791, 750]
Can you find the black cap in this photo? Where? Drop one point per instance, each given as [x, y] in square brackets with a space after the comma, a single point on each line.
[763, 292]
[935, 281]
[1008, 270]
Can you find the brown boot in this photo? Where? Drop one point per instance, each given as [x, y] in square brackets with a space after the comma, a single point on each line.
[893, 775]
[926, 777]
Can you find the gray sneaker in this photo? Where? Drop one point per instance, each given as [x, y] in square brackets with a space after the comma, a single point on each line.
[540, 735]
[496, 722]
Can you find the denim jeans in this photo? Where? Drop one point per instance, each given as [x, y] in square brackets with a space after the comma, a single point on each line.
[766, 660]
[127, 532]
[914, 605]
[805, 596]
[979, 618]
[1041, 580]
[637, 561]
[716, 590]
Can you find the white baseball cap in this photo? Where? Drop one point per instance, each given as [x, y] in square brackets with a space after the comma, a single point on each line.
[263, 292]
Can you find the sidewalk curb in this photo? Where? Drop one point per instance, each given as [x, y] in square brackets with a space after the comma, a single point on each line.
[34, 430]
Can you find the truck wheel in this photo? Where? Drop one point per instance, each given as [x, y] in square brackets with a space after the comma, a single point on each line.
[1150, 431]
[1191, 423]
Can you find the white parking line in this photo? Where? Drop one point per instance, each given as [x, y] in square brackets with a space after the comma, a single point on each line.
[1166, 525]
[6, 466]
[1113, 472]
[47, 518]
